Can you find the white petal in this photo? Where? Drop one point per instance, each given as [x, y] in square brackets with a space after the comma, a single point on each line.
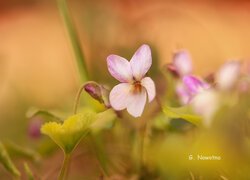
[119, 68]
[206, 104]
[119, 96]
[182, 62]
[149, 84]
[228, 75]
[137, 103]
[141, 62]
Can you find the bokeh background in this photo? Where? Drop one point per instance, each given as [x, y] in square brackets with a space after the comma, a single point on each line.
[36, 61]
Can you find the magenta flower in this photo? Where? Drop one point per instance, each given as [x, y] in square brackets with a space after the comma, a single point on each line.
[189, 87]
[132, 92]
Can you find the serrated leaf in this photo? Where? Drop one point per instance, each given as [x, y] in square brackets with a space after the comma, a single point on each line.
[69, 133]
[183, 113]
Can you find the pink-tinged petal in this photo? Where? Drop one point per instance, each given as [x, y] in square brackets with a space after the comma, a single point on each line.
[149, 84]
[206, 104]
[141, 62]
[194, 84]
[228, 75]
[183, 93]
[119, 96]
[119, 68]
[182, 62]
[137, 103]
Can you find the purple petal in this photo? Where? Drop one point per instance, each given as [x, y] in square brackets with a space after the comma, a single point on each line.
[194, 84]
[137, 103]
[182, 62]
[94, 90]
[149, 84]
[183, 93]
[228, 75]
[141, 62]
[119, 68]
[119, 96]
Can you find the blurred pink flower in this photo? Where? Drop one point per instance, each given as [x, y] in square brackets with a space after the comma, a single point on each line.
[132, 92]
[189, 85]
[228, 75]
[182, 62]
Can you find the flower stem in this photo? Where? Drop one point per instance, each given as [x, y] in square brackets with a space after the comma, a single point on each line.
[78, 95]
[141, 132]
[65, 165]
[76, 45]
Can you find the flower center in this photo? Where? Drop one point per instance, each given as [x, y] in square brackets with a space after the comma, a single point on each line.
[137, 87]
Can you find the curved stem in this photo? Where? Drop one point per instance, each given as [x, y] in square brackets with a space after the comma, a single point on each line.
[64, 169]
[78, 95]
[74, 39]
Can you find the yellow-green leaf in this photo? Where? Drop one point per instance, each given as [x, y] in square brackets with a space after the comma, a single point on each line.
[104, 120]
[183, 113]
[28, 171]
[69, 133]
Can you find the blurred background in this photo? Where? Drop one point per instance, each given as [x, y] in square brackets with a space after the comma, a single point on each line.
[36, 61]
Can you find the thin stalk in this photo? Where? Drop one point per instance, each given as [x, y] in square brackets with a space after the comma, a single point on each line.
[95, 141]
[65, 166]
[74, 39]
[77, 100]
[78, 96]
[141, 132]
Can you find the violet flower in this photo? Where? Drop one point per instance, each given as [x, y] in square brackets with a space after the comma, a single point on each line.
[132, 92]
[189, 85]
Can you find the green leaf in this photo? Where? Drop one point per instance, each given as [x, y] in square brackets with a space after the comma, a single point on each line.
[33, 112]
[7, 163]
[183, 113]
[28, 171]
[69, 133]
[20, 151]
[104, 120]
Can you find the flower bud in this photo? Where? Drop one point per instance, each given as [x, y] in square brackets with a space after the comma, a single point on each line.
[98, 92]
[182, 62]
[34, 127]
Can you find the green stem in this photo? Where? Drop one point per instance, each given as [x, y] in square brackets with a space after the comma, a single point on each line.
[78, 95]
[77, 100]
[64, 169]
[141, 139]
[76, 45]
